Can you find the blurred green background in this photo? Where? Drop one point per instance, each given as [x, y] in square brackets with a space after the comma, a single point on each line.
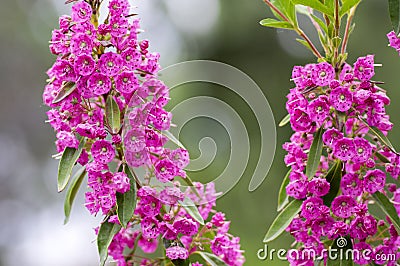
[31, 230]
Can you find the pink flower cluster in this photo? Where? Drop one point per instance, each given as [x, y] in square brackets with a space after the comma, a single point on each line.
[98, 62]
[349, 107]
[394, 41]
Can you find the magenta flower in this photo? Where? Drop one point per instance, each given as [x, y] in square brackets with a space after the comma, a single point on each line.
[331, 136]
[363, 248]
[165, 170]
[322, 226]
[103, 151]
[84, 65]
[318, 110]
[81, 44]
[134, 140]
[297, 189]
[171, 195]
[99, 84]
[131, 58]
[177, 252]
[300, 120]
[374, 180]
[341, 98]
[344, 149]
[363, 150]
[343, 206]
[149, 227]
[126, 82]
[81, 12]
[310, 208]
[347, 73]
[364, 68]
[110, 64]
[319, 187]
[121, 182]
[351, 185]
[185, 226]
[323, 73]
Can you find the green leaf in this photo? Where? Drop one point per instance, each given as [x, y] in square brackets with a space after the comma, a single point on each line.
[284, 120]
[330, 4]
[320, 23]
[341, 245]
[388, 208]
[314, 4]
[283, 198]
[189, 182]
[113, 114]
[106, 233]
[192, 210]
[211, 259]
[67, 162]
[333, 176]
[173, 139]
[287, 8]
[273, 23]
[314, 155]
[394, 13]
[66, 90]
[72, 191]
[382, 157]
[126, 202]
[304, 43]
[381, 137]
[283, 220]
[347, 5]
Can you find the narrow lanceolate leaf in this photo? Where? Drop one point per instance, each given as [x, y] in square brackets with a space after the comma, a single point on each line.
[314, 155]
[321, 24]
[314, 4]
[113, 114]
[283, 220]
[273, 23]
[304, 43]
[126, 202]
[192, 210]
[67, 162]
[382, 157]
[284, 120]
[173, 139]
[66, 90]
[287, 8]
[347, 5]
[381, 137]
[394, 12]
[72, 191]
[333, 176]
[106, 233]
[342, 245]
[283, 198]
[211, 259]
[376, 132]
[388, 208]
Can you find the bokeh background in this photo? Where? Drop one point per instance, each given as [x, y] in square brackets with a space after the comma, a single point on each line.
[31, 223]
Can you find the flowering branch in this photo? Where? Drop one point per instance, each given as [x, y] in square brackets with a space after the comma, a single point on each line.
[107, 108]
[339, 155]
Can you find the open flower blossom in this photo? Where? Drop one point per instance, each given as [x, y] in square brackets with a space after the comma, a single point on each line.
[107, 105]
